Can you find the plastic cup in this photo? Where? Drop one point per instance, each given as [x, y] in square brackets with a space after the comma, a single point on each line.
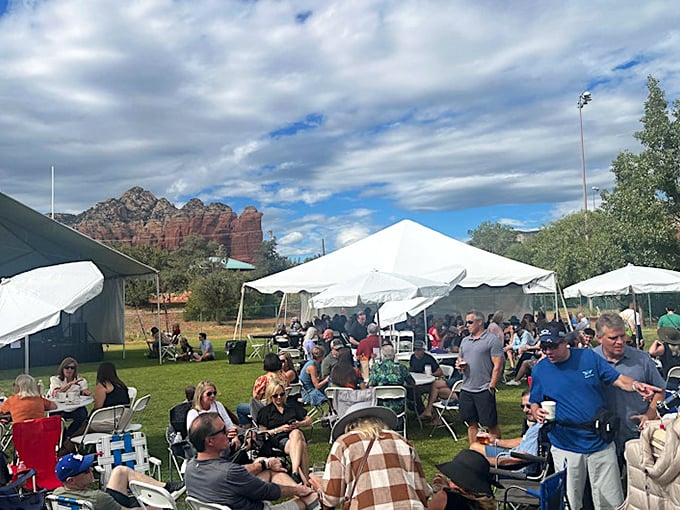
[428, 369]
[549, 406]
[61, 396]
[318, 469]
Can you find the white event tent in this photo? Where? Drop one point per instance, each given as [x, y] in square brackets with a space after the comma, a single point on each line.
[491, 282]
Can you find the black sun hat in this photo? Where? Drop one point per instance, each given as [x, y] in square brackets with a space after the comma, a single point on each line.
[470, 470]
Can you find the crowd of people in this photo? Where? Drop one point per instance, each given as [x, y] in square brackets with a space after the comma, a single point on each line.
[259, 455]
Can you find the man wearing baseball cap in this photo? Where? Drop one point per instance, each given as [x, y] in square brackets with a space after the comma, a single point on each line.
[575, 379]
[75, 472]
[331, 358]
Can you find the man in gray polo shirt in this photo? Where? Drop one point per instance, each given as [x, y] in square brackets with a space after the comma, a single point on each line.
[481, 362]
[629, 407]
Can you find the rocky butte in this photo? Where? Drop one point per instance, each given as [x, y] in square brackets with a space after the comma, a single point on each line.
[138, 218]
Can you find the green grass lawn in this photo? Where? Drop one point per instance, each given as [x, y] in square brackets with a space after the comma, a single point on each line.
[234, 383]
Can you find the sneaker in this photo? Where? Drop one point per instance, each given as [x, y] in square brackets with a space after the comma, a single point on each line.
[513, 382]
[174, 486]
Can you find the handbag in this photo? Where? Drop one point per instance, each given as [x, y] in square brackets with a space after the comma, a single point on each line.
[605, 424]
[348, 499]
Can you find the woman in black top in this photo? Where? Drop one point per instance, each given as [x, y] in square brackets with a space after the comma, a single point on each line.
[110, 390]
[283, 421]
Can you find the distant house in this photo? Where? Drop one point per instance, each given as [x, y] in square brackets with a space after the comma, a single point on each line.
[229, 263]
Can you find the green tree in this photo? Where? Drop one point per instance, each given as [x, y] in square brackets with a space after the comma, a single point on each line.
[646, 199]
[493, 237]
[216, 294]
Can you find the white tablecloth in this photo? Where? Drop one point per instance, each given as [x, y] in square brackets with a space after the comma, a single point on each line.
[422, 379]
[67, 407]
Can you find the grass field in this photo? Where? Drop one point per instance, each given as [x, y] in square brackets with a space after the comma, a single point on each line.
[234, 383]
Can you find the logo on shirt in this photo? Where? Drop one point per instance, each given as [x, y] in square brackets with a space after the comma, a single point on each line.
[587, 374]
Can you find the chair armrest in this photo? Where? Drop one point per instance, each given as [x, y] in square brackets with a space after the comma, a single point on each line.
[155, 467]
[506, 473]
[528, 457]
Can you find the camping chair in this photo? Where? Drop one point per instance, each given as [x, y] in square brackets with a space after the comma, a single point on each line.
[395, 393]
[257, 348]
[169, 351]
[128, 449]
[673, 373]
[14, 496]
[549, 494]
[178, 447]
[195, 504]
[55, 502]
[102, 423]
[343, 398]
[136, 409]
[5, 435]
[35, 445]
[148, 495]
[449, 405]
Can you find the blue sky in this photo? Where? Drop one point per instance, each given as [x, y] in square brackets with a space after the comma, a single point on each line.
[333, 118]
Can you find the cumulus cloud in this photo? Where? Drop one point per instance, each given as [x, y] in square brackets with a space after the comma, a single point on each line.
[314, 111]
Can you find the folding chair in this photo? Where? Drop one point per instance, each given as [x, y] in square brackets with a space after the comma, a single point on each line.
[449, 405]
[169, 351]
[549, 494]
[148, 495]
[128, 449]
[394, 393]
[257, 348]
[5, 435]
[343, 398]
[447, 370]
[673, 373]
[195, 504]
[55, 502]
[35, 445]
[175, 434]
[102, 423]
[14, 495]
[136, 410]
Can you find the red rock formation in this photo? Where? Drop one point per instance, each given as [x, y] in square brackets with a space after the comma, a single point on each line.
[140, 219]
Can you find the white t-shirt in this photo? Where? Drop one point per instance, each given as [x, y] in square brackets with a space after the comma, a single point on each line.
[56, 383]
[216, 407]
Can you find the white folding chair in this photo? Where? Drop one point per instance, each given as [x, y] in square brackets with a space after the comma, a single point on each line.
[55, 502]
[449, 405]
[136, 410]
[394, 393]
[128, 449]
[342, 399]
[447, 370]
[195, 504]
[151, 496]
[256, 348]
[102, 423]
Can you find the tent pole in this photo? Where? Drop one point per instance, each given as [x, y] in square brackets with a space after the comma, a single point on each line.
[158, 318]
[649, 308]
[124, 318]
[238, 327]
[26, 356]
[564, 304]
[638, 328]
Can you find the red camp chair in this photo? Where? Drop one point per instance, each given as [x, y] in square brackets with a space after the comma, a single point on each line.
[35, 445]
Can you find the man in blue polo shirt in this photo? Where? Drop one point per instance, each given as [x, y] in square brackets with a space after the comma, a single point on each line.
[575, 380]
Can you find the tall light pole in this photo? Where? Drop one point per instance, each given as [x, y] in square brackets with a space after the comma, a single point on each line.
[583, 100]
[595, 191]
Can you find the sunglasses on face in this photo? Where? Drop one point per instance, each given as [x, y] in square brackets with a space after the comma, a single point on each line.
[278, 395]
[524, 406]
[548, 346]
[469, 322]
[70, 367]
[210, 393]
[223, 430]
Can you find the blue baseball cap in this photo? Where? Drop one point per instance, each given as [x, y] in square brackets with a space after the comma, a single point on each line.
[73, 464]
[551, 336]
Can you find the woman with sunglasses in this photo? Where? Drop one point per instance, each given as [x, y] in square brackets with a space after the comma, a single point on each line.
[205, 400]
[288, 368]
[272, 372]
[67, 380]
[283, 421]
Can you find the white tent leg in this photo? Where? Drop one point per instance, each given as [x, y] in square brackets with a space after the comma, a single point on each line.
[26, 355]
[238, 327]
[158, 317]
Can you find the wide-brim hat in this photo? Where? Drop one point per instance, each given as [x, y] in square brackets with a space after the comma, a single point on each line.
[470, 470]
[669, 335]
[363, 410]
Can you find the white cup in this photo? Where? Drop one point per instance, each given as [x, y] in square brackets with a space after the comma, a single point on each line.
[73, 396]
[549, 407]
[61, 396]
[318, 469]
[428, 369]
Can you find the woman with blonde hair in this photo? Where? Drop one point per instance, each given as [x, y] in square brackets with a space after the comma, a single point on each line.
[365, 453]
[26, 403]
[67, 380]
[283, 421]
